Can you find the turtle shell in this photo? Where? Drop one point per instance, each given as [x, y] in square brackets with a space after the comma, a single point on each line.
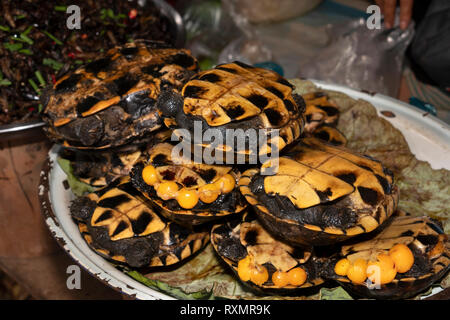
[189, 175]
[426, 240]
[329, 134]
[319, 194]
[319, 110]
[238, 239]
[100, 168]
[111, 100]
[119, 224]
[237, 96]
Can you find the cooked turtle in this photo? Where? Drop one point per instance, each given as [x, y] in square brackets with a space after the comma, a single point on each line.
[100, 168]
[320, 110]
[329, 134]
[417, 247]
[262, 261]
[111, 100]
[187, 192]
[237, 96]
[320, 194]
[119, 224]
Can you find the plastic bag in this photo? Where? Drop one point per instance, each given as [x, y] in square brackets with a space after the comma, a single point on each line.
[263, 11]
[361, 58]
[209, 29]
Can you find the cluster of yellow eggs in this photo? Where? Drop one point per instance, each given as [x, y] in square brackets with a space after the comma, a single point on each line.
[249, 271]
[187, 198]
[400, 259]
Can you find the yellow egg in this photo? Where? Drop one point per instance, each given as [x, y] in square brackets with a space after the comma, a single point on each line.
[187, 199]
[357, 271]
[385, 261]
[209, 193]
[167, 190]
[402, 256]
[259, 275]
[280, 279]
[381, 271]
[244, 270]
[341, 267]
[149, 175]
[226, 183]
[297, 276]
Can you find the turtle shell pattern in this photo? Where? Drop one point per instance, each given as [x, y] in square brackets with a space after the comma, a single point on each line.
[121, 226]
[100, 168]
[239, 96]
[430, 247]
[235, 240]
[320, 110]
[112, 100]
[191, 175]
[329, 134]
[321, 193]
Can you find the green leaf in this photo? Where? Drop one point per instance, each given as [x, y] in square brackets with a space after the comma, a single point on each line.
[56, 65]
[60, 8]
[110, 13]
[27, 31]
[57, 41]
[40, 78]
[165, 288]
[12, 46]
[337, 293]
[205, 64]
[4, 28]
[34, 85]
[28, 52]
[78, 188]
[5, 82]
[25, 38]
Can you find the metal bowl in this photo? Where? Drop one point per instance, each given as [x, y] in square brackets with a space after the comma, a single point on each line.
[176, 28]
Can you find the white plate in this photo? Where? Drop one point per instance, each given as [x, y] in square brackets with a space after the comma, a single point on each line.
[428, 138]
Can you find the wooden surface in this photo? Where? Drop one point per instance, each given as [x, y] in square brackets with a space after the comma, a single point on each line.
[28, 253]
[20, 165]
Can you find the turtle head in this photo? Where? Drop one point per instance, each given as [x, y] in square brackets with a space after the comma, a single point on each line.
[169, 103]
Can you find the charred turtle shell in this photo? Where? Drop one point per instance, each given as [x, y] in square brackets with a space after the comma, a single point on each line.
[112, 100]
[121, 226]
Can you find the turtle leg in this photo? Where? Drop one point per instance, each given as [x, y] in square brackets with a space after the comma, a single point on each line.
[300, 102]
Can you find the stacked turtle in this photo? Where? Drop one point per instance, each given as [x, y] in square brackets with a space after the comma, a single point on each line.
[105, 112]
[308, 210]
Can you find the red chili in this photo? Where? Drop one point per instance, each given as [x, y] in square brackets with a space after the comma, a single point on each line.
[31, 109]
[71, 55]
[53, 78]
[84, 36]
[132, 14]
